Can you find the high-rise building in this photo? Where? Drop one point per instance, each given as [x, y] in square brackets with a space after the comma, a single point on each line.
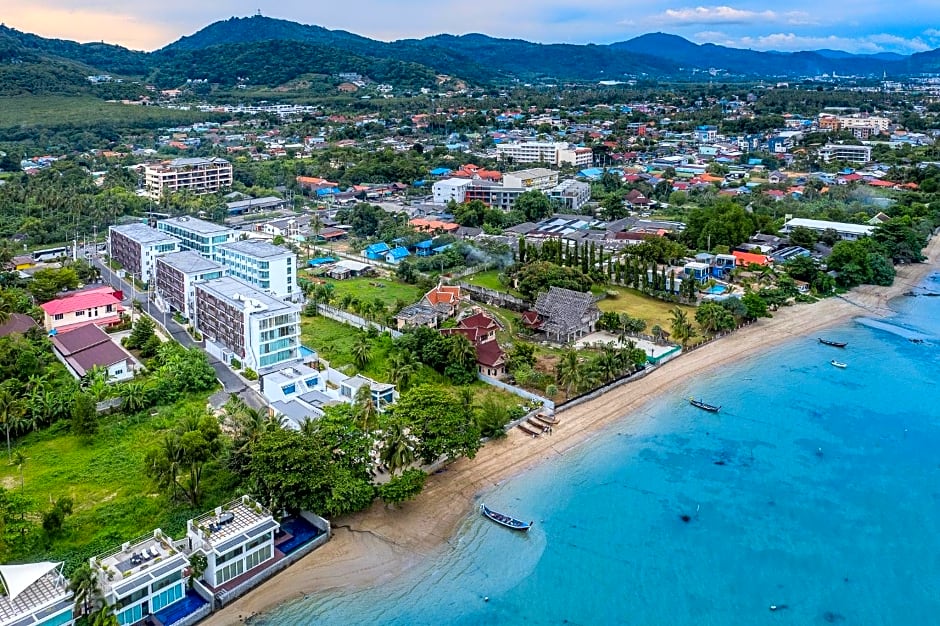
[196, 175]
[197, 235]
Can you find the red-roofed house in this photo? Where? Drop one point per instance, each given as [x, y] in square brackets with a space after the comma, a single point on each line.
[749, 258]
[88, 347]
[100, 306]
[480, 330]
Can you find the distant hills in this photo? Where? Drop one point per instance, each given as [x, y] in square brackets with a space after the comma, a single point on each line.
[270, 52]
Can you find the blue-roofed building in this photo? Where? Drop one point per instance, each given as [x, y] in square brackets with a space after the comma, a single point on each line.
[441, 171]
[395, 255]
[424, 248]
[376, 252]
[419, 183]
[755, 161]
[321, 261]
[592, 173]
[444, 248]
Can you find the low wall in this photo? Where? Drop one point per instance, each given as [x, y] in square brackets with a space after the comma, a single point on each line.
[353, 320]
[519, 391]
[227, 597]
[568, 404]
[192, 618]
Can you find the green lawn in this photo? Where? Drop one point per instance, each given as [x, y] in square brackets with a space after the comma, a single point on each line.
[490, 280]
[334, 340]
[370, 289]
[636, 304]
[114, 497]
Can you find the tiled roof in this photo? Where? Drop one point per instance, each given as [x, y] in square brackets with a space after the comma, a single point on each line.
[18, 323]
[489, 353]
[443, 294]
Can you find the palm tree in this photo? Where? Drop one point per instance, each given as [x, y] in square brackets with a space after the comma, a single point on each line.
[96, 383]
[365, 408]
[682, 328]
[103, 617]
[19, 459]
[569, 372]
[397, 451]
[133, 396]
[11, 411]
[84, 584]
[608, 363]
[361, 351]
[463, 353]
[402, 368]
[166, 461]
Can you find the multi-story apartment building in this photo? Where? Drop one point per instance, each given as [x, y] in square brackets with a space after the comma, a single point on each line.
[197, 175]
[451, 189]
[141, 577]
[569, 196]
[845, 152]
[197, 235]
[538, 178]
[137, 246]
[176, 277]
[35, 594]
[553, 153]
[240, 322]
[267, 267]
[236, 538]
[495, 195]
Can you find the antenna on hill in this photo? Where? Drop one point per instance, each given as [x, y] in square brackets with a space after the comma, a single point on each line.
[258, 13]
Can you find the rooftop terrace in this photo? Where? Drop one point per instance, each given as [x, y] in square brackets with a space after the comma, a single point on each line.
[232, 524]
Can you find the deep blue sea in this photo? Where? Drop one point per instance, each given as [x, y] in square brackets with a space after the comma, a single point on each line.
[815, 489]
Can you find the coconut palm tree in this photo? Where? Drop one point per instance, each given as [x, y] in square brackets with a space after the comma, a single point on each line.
[570, 372]
[682, 328]
[366, 411]
[609, 363]
[397, 449]
[402, 368]
[84, 584]
[11, 412]
[361, 351]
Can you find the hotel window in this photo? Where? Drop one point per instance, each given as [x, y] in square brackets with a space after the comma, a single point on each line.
[79, 314]
[58, 316]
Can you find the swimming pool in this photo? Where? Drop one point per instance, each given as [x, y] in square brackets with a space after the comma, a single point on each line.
[717, 289]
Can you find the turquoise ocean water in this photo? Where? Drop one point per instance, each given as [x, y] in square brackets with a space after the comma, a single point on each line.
[815, 489]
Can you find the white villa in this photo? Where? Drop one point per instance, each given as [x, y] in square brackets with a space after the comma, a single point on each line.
[142, 577]
[237, 538]
[35, 594]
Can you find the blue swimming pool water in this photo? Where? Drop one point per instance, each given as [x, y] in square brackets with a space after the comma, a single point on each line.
[814, 489]
[187, 605]
[716, 289]
[302, 531]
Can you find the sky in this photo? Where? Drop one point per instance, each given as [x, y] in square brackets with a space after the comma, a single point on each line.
[860, 26]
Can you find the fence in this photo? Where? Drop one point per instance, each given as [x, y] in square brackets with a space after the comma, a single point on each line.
[522, 393]
[568, 404]
[491, 296]
[467, 271]
[353, 320]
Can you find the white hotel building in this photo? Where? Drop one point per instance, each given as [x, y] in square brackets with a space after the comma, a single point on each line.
[197, 235]
[262, 265]
[197, 175]
[240, 322]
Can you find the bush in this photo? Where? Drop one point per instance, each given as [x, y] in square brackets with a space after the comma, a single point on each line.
[250, 374]
[403, 487]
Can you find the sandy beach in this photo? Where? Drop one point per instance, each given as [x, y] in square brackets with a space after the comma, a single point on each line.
[380, 544]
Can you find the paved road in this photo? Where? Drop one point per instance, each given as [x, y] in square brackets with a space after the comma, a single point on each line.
[231, 382]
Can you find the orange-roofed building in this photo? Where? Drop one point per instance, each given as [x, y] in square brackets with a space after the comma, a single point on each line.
[749, 258]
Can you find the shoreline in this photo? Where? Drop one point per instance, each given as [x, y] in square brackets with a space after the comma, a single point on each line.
[380, 544]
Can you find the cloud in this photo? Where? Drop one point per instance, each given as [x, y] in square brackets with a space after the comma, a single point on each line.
[791, 42]
[726, 15]
[87, 25]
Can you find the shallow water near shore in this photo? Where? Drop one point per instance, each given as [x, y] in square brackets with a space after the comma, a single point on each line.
[815, 489]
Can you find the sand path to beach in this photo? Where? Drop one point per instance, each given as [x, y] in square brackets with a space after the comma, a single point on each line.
[380, 544]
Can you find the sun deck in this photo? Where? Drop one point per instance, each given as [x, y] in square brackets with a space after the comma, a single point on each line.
[137, 563]
[45, 597]
[232, 524]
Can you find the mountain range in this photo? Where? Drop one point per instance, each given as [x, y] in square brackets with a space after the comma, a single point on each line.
[272, 52]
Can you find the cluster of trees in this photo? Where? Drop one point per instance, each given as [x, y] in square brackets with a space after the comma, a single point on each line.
[451, 355]
[576, 371]
[538, 276]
